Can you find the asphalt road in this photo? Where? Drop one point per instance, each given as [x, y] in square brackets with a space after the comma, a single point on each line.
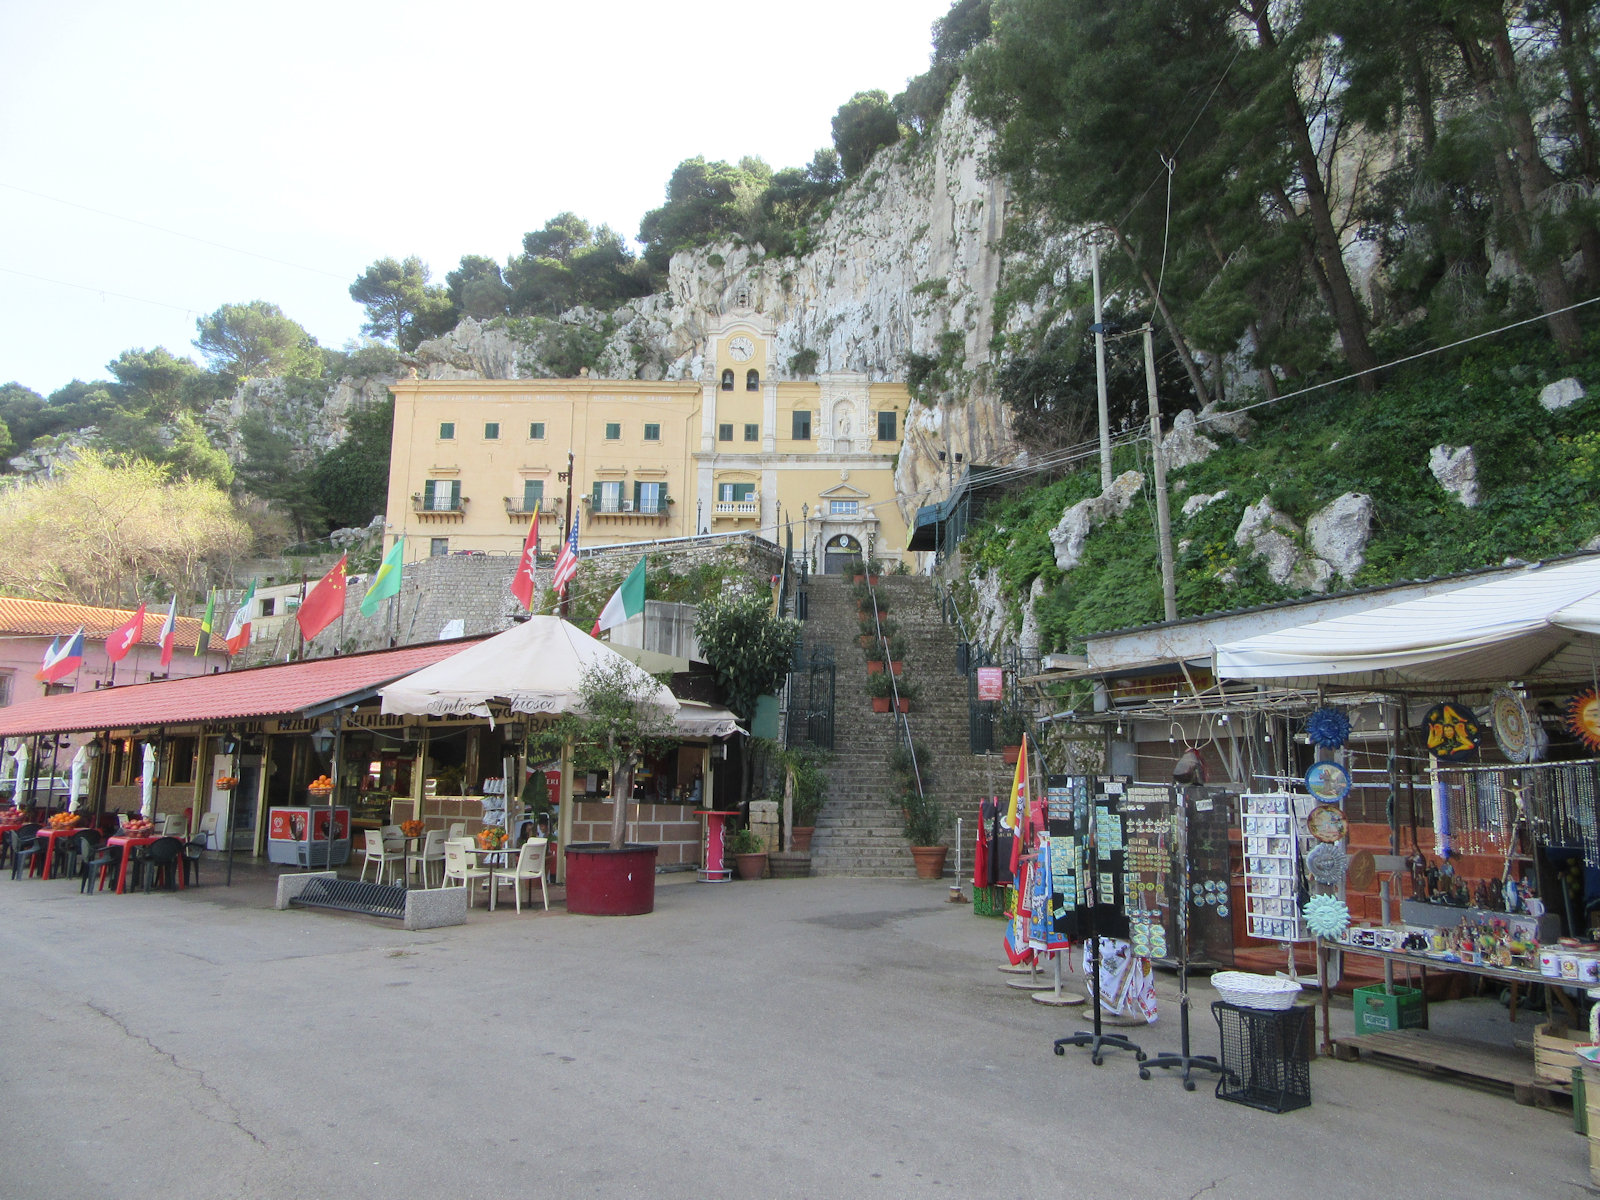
[807, 1038]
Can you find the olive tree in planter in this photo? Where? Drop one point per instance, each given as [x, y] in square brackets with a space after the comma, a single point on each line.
[624, 719]
[749, 648]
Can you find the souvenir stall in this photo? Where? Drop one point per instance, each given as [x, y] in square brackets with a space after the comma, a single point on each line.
[1498, 876]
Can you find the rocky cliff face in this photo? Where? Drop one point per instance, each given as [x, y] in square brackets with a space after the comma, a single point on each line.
[908, 262]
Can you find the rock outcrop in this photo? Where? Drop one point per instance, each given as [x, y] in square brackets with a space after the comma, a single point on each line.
[1456, 469]
[1073, 530]
[1337, 533]
[1273, 537]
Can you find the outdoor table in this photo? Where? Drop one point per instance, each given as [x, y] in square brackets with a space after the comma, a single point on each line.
[482, 854]
[49, 834]
[716, 869]
[128, 842]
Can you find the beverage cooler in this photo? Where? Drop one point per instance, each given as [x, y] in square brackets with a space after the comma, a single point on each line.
[298, 836]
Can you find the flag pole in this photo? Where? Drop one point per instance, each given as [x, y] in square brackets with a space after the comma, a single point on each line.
[566, 517]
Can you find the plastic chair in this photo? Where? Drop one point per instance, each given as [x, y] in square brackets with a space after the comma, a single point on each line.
[458, 866]
[99, 867]
[458, 829]
[193, 850]
[207, 832]
[379, 854]
[529, 866]
[70, 852]
[432, 852]
[161, 859]
[26, 850]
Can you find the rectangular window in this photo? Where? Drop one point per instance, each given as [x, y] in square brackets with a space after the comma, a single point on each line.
[5, 690]
[268, 606]
[491, 431]
[886, 423]
[438, 547]
[532, 493]
[802, 426]
[447, 431]
[607, 497]
[844, 508]
[650, 498]
[652, 432]
[752, 433]
[441, 495]
[536, 431]
[725, 433]
[736, 491]
[613, 431]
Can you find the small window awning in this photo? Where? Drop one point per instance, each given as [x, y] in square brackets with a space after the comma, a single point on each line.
[698, 720]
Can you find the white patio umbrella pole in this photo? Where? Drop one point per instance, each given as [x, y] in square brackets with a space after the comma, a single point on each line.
[20, 761]
[80, 763]
[148, 805]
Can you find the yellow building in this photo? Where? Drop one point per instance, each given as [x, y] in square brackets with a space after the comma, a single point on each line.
[734, 451]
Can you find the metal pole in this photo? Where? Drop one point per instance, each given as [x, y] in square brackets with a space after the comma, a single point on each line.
[562, 607]
[1100, 376]
[1169, 592]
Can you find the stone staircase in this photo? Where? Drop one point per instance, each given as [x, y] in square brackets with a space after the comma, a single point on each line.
[860, 830]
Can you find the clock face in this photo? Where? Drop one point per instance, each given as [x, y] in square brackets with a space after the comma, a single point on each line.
[741, 348]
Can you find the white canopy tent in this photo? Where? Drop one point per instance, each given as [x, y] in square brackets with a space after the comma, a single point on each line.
[1541, 624]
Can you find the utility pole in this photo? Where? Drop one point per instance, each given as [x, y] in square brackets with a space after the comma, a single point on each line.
[1100, 376]
[1169, 590]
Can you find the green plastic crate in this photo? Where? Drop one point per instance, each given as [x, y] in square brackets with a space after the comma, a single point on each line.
[1378, 1012]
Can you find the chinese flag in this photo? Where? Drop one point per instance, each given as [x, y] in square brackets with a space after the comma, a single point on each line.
[325, 604]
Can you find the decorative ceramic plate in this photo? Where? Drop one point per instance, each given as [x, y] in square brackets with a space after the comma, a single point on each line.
[1513, 728]
[1326, 822]
[1328, 782]
[1583, 718]
[1327, 863]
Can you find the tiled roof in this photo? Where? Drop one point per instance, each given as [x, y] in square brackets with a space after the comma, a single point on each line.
[48, 618]
[280, 690]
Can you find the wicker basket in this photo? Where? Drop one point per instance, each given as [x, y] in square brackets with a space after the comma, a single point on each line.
[1255, 991]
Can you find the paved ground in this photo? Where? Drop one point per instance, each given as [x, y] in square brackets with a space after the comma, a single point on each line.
[809, 1038]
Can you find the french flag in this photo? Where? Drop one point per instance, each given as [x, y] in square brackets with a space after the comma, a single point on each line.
[61, 661]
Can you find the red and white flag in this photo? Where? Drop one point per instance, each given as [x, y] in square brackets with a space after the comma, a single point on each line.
[567, 562]
[238, 636]
[169, 631]
[325, 604]
[522, 581]
[61, 661]
[122, 639]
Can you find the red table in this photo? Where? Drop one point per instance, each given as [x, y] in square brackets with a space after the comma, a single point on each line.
[716, 869]
[128, 843]
[49, 834]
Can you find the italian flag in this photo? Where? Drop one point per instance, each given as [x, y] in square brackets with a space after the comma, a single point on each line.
[627, 601]
[239, 628]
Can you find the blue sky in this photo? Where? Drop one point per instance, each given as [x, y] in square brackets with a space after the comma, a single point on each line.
[291, 145]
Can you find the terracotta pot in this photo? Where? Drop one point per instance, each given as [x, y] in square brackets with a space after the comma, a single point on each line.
[897, 667]
[800, 836]
[875, 668]
[750, 866]
[905, 704]
[929, 860]
[602, 882]
[1010, 754]
[880, 704]
[864, 579]
[866, 641]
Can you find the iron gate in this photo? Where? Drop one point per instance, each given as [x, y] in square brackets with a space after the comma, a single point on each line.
[811, 689]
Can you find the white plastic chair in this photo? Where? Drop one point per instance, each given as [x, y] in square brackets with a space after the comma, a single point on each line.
[458, 829]
[529, 866]
[432, 851]
[378, 852]
[208, 830]
[458, 866]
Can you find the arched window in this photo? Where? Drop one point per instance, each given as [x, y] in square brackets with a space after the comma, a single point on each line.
[727, 380]
[752, 381]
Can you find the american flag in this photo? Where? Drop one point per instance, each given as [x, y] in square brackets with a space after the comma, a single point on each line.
[567, 561]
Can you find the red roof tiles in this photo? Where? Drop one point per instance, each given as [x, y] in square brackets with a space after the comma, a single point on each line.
[49, 618]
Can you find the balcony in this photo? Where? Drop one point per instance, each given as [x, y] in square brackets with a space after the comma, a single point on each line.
[439, 508]
[626, 510]
[737, 510]
[517, 513]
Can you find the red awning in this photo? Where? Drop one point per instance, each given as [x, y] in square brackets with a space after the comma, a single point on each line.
[281, 690]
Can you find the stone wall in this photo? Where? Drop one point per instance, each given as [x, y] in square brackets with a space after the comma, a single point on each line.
[672, 827]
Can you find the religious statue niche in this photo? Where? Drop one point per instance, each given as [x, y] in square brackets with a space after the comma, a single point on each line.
[1453, 732]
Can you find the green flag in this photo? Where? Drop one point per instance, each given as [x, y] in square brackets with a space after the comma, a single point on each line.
[386, 582]
[202, 643]
[627, 601]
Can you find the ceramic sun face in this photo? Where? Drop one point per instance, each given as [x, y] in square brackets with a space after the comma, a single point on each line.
[1583, 718]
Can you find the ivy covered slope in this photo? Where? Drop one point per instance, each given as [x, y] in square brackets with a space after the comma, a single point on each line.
[1538, 483]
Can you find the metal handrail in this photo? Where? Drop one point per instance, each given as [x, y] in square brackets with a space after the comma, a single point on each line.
[894, 688]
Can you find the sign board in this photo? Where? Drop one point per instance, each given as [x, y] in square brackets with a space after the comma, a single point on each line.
[991, 683]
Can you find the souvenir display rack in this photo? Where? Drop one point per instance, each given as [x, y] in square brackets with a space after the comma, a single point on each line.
[1271, 867]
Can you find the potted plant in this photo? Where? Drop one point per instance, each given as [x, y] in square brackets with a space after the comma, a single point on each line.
[881, 691]
[624, 720]
[1009, 726]
[749, 853]
[925, 825]
[807, 790]
[897, 651]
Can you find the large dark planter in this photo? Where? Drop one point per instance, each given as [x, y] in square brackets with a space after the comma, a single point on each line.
[750, 866]
[602, 882]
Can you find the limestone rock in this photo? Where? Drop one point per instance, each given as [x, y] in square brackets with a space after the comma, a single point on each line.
[989, 607]
[1338, 533]
[1184, 444]
[1234, 424]
[1561, 394]
[1028, 640]
[1456, 469]
[1270, 535]
[1073, 530]
[1202, 500]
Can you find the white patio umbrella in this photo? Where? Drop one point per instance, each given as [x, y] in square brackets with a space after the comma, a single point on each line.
[80, 763]
[20, 765]
[148, 807]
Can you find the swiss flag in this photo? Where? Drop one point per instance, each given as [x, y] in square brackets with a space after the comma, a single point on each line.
[123, 637]
[325, 604]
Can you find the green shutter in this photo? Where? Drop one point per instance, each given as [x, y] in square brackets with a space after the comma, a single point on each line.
[594, 504]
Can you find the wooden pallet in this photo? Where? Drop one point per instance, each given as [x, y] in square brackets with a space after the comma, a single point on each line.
[1500, 1067]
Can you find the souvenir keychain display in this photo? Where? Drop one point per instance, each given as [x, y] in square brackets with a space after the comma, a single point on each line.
[1146, 865]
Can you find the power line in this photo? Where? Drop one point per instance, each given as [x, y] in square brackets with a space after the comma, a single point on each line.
[85, 287]
[173, 232]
